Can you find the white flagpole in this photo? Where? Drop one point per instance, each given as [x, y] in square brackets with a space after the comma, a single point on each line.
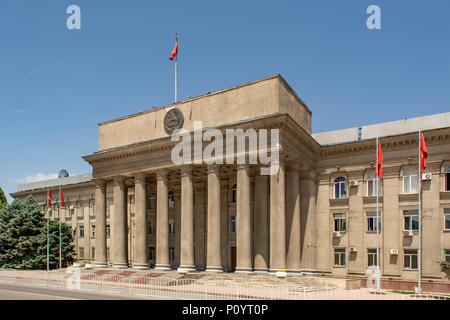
[377, 226]
[419, 260]
[59, 217]
[176, 70]
[48, 219]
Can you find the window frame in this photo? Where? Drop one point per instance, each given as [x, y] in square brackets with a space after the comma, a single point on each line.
[447, 179]
[373, 178]
[411, 220]
[410, 253]
[81, 231]
[337, 187]
[372, 255]
[172, 226]
[92, 231]
[373, 217]
[171, 199]
[446, 215]
[340, 219]
[408, 175]
[447, 255]
[342, 254]
[234, 193]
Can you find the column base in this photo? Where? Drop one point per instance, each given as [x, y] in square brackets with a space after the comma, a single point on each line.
[261, 270]
[140, 266]
[294, 272]
[163, 267]
[120, 265]
[186, 269]
[243, 270]
[100, 265]
[214, 269]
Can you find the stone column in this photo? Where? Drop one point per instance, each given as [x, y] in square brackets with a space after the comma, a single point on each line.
[292, 217]
[277, 220]
[100, 224]
[162, 221]
[187, 221]
[120, 224]
[261, 236]
[213, 258]
[140, 202]
[244, 230]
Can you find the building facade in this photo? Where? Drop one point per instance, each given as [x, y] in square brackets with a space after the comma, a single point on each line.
[317, 214]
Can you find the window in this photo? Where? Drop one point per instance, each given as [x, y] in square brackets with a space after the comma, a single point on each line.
[93, 253]
[339, 188]
[233, 193]
[151, 229]
[108, 229]
[339, 222]
[81, 211]
[93, 231]
[233, 223]
[171, 226]
[410, 182]
[372, 181]
[411, 219]
[447, 256]
[151, 201]
[108, 207]
[372, 221]
[447, 218]
[172, 254]
[81, 231]
[410, 259]
[107, 253]
[93, 210]
[339, 257]
[71, 211]
[372, 257]
[151, 253]
[81, 253]
[74, 231]
[171, 199]
[447, 179]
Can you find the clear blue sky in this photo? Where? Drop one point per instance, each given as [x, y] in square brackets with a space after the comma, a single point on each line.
[57, 84]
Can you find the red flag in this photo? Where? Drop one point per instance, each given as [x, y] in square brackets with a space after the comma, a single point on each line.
[380, 162]
[61, 196]
[423, 154]
[174, 52]
[49, 198]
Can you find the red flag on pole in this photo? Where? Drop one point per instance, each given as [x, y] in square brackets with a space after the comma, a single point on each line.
[49, 198]
[423, 154]
[62, 196]
[380, 162]
[174, 52]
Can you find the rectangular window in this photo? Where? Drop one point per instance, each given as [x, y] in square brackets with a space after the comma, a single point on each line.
[107, 230]
[233, 223]
[372, 185]
[447, 218]
[339, 222]
[107, 253]
[81, 253]
[172, 254]
[410, 259]
[81, 211]
[93, 231]
[151, 229]
[372, 221]
[93, 210]
[447, 256]
[171, 226]
[93, 253]
[410, 182]
[151, 253]
[71, 211]
[339, 257]
[151, 202]
[81, 231]
[108, 207]
[411, 218]
[371, 257]
[447, 179]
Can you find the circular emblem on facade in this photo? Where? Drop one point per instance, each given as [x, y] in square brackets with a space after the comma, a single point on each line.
[173, 120]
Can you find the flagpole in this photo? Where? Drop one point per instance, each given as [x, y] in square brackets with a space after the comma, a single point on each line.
[48, 219]
[378, 256]
[176, 71]
[420, 217]
[59, 217]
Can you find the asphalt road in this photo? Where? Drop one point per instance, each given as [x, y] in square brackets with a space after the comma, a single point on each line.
[23, 292]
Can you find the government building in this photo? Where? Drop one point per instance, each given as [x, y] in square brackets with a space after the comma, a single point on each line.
[316, 215]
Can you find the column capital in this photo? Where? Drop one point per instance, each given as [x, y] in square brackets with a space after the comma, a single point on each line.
[100, 183]
[242, 167]
[213, 168]
[186, 171]
[119, 180]
[292, 165]
[162, 174]
[140, 177]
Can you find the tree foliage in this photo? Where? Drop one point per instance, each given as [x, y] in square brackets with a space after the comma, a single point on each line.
[445, 268]
[23, 237]
[3, 201]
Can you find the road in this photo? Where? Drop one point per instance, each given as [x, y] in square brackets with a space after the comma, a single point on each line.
[24, 292]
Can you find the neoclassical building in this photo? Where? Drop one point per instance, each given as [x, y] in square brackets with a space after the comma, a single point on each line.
[317, 214]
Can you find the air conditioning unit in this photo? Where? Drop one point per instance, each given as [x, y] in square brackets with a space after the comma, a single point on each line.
[394, 252]
[426, 176]
[337, 234]
[353, 249]
[408, 233]
[353, 183]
